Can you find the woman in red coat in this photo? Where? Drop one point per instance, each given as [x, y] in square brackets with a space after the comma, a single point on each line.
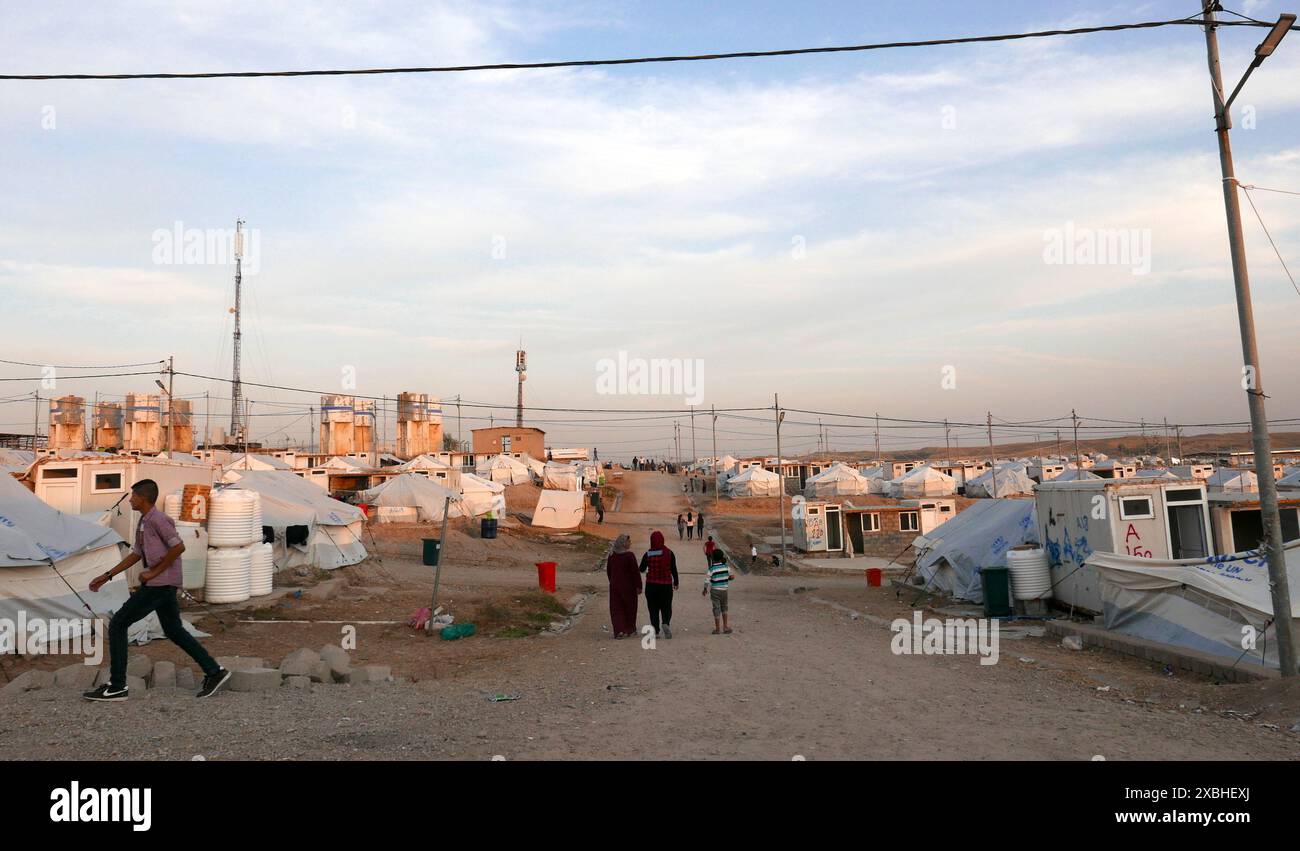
[624, 587]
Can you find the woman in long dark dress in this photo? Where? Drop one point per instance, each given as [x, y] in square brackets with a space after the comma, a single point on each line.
[624, 587]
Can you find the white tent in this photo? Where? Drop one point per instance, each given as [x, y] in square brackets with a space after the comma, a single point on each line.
[1075, 474]
[754, 481]
[1012, 479]
[1290, 479]
[254, 461]
[950, 555]
[421, 462]
[1230, 479]
[481, 496]
[837, 480]
[923, 481]
[32, 535]
[1197, 603]
[16, 460]
[411, 490]
[1154, 473]
[504, 470]
[324, 532]
[534, 466]
[559, 476]
[559, 509]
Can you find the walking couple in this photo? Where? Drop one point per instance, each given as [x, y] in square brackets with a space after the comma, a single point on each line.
[659, 565]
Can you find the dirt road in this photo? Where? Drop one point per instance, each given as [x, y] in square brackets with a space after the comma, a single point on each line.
[809, 672]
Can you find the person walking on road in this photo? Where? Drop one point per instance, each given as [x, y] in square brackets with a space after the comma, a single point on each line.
[699, 523]
[690, 525]
[624, 587]
[159, 546]
[681, 527]
[709, 547]
[715, 585]
[659, 565]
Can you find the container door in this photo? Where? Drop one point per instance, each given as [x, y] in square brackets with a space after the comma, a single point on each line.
[1187, 532]
[834, 538]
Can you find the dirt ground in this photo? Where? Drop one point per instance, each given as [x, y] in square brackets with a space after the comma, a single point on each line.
[808, 672]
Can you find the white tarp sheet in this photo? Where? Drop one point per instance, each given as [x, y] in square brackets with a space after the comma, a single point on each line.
[480, 496]
[837, 480]
[923, 481]
[950, 555]
[559, 476]
[559, 509]
[1201, 604]
[504, 470]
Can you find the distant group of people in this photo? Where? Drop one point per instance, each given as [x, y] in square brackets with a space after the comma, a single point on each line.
[661, 579]
[653, 464]
[689, 525]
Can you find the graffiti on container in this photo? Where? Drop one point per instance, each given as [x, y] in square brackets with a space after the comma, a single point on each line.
[1133, 543]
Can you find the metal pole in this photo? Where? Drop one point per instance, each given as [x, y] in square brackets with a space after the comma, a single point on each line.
[36, 418]
[780, 473]
[993, 459]
[1169, 459]
[878, 462]
[694, 454]
[437, 570]
[171, 403]
[1078, 459]
[1253, 380]
[715, 455]
[947, 445]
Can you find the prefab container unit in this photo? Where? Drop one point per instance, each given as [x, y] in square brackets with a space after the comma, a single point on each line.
[1045, 471]
[818, 526]
[1237, 525]
[1147, 518]
[1199, 472]
[1112, 469]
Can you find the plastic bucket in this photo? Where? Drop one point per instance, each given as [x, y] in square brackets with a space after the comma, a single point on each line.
[432, 549]
[546, 576]
[873, 577]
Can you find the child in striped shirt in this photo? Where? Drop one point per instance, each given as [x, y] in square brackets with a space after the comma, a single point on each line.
[715, 585]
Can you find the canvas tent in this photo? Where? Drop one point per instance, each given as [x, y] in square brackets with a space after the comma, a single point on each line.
[534, 466]
[559, 476]
[32, 535]
[16, 461]
[253, 461]
[1154, 473]
[950, 555]
[837, 480]
[310, 528]
[754, 481]
[479, 496]
[411, 490]
[1011, 480]
[1075, 474]
[504, 470]
[1202, 604]
[559, 509]
[923, 481]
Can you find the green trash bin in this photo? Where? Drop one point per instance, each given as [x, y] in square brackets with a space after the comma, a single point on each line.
[997, 592]
[432, 549]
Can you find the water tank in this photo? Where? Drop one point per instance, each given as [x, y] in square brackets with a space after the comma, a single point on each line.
[194, 561]
[234, 518]
[263, 569]
[229, 575]
[172, 505]
[1030, 577]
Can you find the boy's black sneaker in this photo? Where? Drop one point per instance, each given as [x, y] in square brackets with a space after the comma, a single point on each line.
[106, 692]
[212, 682]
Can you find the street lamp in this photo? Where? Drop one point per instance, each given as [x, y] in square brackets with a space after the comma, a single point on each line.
[1252, 380]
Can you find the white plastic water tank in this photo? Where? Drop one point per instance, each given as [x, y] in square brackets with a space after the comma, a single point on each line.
[234, 518]
[263, 570]
[194, 561]
[172, 505]
[1030, 577]
[229, 574]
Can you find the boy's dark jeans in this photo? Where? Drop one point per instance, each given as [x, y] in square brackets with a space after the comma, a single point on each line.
[163, 601]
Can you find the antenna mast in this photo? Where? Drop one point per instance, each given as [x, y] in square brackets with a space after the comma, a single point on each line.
[237, 424]
[521, 366]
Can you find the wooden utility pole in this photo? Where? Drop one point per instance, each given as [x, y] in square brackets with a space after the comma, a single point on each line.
[947, 445]
[1078, 459]
[716, 475]
[878, 461]
[36, 418]
[993, 459]
[171, 403]
[780, 472]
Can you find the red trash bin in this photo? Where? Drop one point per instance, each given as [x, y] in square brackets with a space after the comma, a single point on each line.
[365, 508]
[546, 576]
[873, 576]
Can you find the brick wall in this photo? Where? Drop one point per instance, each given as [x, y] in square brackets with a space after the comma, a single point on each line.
[890, 540]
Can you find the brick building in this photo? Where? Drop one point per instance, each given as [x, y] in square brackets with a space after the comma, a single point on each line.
[511, 440]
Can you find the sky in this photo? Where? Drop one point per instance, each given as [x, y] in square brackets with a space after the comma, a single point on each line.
[860, 233]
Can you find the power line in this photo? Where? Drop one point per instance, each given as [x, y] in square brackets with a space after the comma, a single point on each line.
[1251, 201]
[158, 362]
[75, 377]
[640, 60]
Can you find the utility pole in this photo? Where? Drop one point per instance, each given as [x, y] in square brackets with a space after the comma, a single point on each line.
[1078, 459]
[780, 473]
[878, 461]
[1058, 443]
[171, 402]
[460, 440]
[207, 420]
[694, 455]
[1169, 458]
[992, 457]
[714, 412]
[1252, 380]
[36, 418]
[237, 425]
[311, 413]
[947, 445]
[1178, 435]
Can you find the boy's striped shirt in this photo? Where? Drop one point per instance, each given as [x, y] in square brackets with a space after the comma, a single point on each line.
[719, 576]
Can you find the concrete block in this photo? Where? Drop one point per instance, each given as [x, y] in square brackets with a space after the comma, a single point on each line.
[79, 677]
[238, 663]
[136, 686]
[185, 679]
[138, 665]
[321, 673]
[297, 682]
[304, 653]
[338, 660]
[1072, 642]
[28, 681]
[368, 674]
[164, 675]
[254, 679]
[297, 666]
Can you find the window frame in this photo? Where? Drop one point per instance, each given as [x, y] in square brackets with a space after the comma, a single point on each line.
[916, 521]
[1151, 507]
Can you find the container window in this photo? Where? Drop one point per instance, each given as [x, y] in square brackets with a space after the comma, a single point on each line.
[1135, 508]
[871, 522]
[105, 482]
[909, 521]
[1183, 495]
[59, 473]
